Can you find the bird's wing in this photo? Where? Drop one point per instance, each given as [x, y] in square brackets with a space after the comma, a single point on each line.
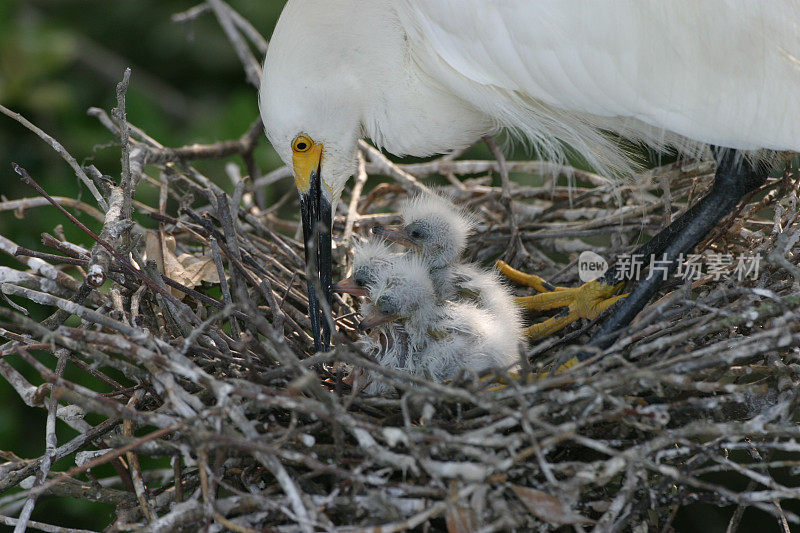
[725, 72]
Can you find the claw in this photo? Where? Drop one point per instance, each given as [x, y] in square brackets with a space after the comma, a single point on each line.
[531, 280]
[587, 301]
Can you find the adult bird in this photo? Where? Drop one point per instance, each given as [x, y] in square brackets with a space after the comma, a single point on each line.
[425, 77]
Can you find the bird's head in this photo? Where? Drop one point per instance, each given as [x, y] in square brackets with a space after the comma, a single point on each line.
[316, 138]
[311, 113]
[319, 146]
[433, 227]
[310, 95]
[402, 291]
[369, 257]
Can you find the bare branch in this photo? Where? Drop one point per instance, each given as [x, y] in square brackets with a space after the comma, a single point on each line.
[66, 156]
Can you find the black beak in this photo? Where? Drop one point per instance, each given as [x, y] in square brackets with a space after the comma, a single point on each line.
[316, 214]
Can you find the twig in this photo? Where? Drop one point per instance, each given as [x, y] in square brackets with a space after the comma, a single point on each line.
[127, 182]
[7, 520]
[352, 214]
[66, 156]
[516, 246]
[385, 166]
[251, 66]
[51, 442]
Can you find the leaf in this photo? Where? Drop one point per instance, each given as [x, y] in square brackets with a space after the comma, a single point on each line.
[197, 269]
[458, 519]
[547, 507]
[186, 269]
[152, 249]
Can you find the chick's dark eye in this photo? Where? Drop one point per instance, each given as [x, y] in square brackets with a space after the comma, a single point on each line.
[301, 146]
[386, 305]
[362, 277]
[415, 234]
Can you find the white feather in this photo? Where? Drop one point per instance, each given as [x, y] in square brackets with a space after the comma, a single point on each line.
[426, 76]
[433, 339]
[714, 71]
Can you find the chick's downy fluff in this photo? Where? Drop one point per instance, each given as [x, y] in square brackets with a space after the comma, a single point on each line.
[439, 231]
[429, 337]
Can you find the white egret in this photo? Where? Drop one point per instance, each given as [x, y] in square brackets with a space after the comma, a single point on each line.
[426, 336]
[428, 76]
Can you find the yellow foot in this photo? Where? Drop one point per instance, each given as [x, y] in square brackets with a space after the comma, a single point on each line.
[500, 382]
[586, 301]
[531, 280]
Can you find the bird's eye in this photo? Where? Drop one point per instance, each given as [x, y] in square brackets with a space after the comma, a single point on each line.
[416, 233]
[302, 143]
[387, 305]
[362, 276]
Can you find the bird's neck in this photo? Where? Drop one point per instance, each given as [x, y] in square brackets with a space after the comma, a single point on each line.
[406, 111]
[443, 282]
[414, 117]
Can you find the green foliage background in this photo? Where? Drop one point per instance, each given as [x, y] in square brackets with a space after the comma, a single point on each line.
[57, 59]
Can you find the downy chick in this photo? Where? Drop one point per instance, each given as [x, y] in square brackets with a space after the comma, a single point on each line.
[388, 343]
[437, 231]
[432, 338]
[368, 258]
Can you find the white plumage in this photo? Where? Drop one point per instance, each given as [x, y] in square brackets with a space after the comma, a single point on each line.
[424, 335]
[421, 77]
[427, 76]
[718, 71]
[438, 231]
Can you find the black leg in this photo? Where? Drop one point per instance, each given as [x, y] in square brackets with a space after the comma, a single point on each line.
[734, 178]
[656, 245]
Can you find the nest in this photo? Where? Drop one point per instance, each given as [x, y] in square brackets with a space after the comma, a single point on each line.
[192, 347]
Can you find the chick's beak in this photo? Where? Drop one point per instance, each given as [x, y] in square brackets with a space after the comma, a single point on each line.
[316, 217]
[374, 319]
[395, 234]
[349, 286]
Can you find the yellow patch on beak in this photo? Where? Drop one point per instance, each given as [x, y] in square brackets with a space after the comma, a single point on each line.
[305, 162]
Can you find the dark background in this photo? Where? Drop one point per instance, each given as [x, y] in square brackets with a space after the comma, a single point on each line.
[57, 59]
